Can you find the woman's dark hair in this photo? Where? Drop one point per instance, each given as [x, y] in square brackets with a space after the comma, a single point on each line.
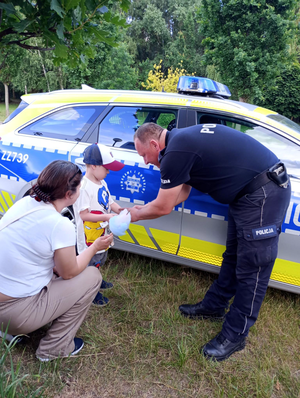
[56, 180]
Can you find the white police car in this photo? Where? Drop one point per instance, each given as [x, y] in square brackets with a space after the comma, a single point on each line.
[60, 124]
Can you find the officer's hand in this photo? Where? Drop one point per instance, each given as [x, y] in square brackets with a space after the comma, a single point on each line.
[134, 213]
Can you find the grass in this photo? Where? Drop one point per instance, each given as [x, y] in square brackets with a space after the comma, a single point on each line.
[11, 381]
[12, 107]
[139, 346]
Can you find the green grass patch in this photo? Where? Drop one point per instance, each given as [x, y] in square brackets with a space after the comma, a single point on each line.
[13, 383]
[139, 345]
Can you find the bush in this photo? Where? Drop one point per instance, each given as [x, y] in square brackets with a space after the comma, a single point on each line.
[284, 96]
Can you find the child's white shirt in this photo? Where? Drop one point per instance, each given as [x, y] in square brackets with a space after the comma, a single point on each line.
[93, 197]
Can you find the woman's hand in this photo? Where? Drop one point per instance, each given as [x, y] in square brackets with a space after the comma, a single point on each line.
[68, 265]
[103, 242]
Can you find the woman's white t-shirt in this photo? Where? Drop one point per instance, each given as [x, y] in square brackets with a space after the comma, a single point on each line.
[27, 247]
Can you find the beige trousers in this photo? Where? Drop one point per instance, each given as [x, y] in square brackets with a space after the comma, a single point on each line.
[65, 302]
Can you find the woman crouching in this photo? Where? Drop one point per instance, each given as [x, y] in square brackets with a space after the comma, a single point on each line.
[36, 241]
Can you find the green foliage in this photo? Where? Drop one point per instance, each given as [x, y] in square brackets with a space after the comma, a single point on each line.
[185, 47]
[148, 28]
[284, 95]
[118, 72]
[166, 30]
[69, 28]
[10, 60]
[248, 45]
[37, 72]
[247, 41]
[110, 69]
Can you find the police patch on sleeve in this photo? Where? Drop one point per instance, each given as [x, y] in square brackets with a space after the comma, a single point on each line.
[269, 231]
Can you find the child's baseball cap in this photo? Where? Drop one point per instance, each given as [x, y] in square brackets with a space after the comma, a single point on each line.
[100, 155]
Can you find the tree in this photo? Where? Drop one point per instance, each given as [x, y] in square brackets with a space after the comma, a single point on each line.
[118, 72]
[284, 95]
[112, 68]
[36, 72]
[185, 48]
[70, 28]
[247, 41]
[149, 29]
[165, 30]
[9, 64]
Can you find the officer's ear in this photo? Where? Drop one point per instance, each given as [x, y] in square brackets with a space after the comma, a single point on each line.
[154, 144]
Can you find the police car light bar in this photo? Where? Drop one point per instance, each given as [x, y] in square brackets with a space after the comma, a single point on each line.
[202, 86]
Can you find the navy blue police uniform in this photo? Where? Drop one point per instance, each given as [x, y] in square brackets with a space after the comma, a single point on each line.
[233, 168]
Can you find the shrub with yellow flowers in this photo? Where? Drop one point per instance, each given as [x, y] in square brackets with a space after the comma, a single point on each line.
[158, 81]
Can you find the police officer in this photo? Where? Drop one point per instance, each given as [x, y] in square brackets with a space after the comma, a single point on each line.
[235, 169]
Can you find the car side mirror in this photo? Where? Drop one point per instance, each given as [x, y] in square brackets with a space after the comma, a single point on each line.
[116, 140]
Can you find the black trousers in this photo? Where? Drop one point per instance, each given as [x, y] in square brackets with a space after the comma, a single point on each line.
[254, 225]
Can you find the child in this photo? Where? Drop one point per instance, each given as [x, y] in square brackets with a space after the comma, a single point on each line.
[93, 207]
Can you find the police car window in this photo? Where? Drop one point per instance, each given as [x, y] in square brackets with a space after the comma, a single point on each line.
[68, 124]
[118, 127]
[286, 150]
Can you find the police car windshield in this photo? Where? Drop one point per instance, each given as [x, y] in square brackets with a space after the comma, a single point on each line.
[286, 122]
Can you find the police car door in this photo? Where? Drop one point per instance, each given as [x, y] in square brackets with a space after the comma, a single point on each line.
[138, 183]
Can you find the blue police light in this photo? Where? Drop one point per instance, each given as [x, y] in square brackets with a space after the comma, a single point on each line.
[222, 89]
[202, 86]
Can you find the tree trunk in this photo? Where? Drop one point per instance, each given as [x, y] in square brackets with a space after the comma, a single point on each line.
[61, 80]
[6, 99]
[44, 70]
[244, 99]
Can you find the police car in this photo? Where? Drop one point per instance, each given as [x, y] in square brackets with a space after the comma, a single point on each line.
[61, 124]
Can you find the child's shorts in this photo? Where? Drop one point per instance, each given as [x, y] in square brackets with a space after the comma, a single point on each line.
[99, 259]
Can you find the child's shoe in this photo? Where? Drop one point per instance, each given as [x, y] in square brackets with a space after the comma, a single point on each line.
[100, 300]
[106, 285]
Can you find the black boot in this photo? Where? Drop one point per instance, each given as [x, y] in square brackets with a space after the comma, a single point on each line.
[198, 311]
[219, 348]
